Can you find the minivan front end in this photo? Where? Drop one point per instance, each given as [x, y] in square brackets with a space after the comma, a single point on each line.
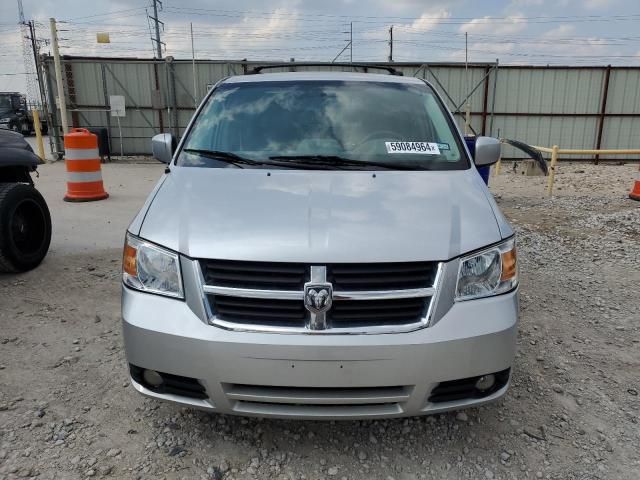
[297, 285]
[255, 351]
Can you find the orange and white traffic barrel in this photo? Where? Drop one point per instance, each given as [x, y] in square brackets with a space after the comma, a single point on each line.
[635, 190]
[84, 173]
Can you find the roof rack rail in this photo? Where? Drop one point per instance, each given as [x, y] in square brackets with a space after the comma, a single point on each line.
[366, 66]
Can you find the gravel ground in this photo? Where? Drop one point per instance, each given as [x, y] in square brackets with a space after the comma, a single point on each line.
[68, 411]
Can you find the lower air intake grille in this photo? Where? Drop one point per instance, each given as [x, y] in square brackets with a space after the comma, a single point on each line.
[465, 388]
[171, 384]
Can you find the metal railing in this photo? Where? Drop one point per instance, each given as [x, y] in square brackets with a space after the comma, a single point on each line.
[556, 151]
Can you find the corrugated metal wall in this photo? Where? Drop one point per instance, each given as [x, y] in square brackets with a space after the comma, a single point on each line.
[537, 105]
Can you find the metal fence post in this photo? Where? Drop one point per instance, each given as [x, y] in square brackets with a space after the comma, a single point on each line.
[603, 111]
[493, 96]
[552, 170]
[172, 104]
[105, 94]
[174, 98]
[485, 99]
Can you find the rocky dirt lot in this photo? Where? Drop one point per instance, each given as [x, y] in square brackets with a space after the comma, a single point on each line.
[67, 410]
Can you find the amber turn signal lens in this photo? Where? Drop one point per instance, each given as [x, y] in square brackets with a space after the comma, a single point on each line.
[509, 265]
[129, 260]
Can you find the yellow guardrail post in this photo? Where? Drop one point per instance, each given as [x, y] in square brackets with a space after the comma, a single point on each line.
[552, 169]
[38, 129]
[496, 170]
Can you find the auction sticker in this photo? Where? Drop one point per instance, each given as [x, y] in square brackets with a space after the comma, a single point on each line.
[421, 148]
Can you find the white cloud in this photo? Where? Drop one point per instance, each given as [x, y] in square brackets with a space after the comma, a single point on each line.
[427, 21]
[412, 6]
[234, 39]
[408, 31]
[508, 25]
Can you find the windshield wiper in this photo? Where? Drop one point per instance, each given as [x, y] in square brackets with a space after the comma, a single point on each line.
[337, 161]
[227, 157]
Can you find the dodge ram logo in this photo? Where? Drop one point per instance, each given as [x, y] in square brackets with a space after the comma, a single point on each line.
[317, 297]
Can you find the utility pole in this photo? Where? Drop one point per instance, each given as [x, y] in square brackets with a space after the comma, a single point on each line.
[391, 43]
[29, 68]
[34, 48]
[351, 44]
[157, 24]
[56, 60]
[36, 60]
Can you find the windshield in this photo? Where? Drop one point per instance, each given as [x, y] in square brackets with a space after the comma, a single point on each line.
[385, 124]
[5, 102]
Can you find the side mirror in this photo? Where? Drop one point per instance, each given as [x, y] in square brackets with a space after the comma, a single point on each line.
[162, 146]
[487, 151]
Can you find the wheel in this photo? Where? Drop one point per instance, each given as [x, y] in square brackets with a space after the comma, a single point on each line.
[25, 227]
[25, 129]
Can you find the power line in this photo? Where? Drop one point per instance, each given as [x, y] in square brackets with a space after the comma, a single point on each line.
[387, 17]
[117, 12]
[253, 37]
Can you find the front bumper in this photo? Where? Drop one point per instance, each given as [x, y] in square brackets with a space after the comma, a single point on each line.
[320, 376]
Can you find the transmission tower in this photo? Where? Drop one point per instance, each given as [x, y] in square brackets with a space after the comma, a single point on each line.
[156, 39]
[31, 78]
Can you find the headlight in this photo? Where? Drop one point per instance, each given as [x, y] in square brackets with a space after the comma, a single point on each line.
[5, 120]
[489, 272]
[150, 268]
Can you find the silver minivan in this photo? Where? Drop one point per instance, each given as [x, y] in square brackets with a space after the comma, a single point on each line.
[321, 246]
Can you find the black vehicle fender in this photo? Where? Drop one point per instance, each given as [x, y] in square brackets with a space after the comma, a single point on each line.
[14, 156]
[13, 139]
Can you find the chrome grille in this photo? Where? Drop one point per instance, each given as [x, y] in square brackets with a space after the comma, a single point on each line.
[263, 275]
[396, 311]
[388, 276]
[252, 310]
[366, 298]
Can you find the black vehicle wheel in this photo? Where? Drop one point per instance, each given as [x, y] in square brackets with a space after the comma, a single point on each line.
[25, 227]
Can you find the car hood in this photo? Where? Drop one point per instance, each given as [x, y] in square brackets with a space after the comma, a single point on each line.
[321, 216]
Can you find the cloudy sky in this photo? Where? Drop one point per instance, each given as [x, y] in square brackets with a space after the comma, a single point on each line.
[574, 32]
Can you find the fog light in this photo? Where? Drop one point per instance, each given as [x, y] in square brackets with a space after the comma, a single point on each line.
[152, 377]
[485, 382]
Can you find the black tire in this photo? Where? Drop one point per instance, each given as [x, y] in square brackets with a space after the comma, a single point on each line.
[25, 227]
[25, 129]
